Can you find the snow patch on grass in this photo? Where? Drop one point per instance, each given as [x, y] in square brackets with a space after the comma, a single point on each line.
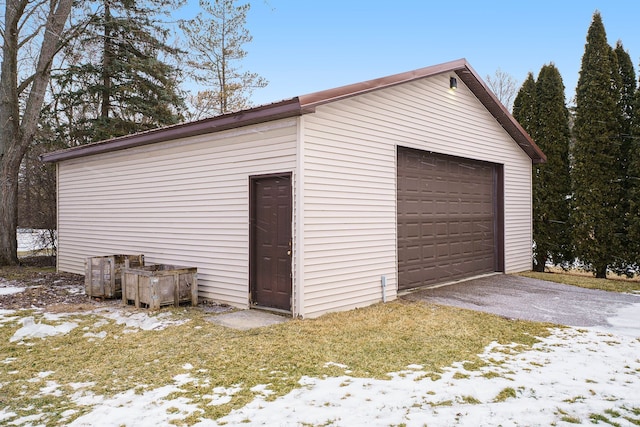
[31, 329]
[139, 320]
[8, 289]
[537, 382]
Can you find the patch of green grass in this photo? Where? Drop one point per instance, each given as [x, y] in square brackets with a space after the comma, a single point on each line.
[612, 412]
[586, 280]
[505, 393]
[567, 418]
[596, 418]
[441, 403]
[491, 374]
[575, 399]
[470, 400]
[475, 365]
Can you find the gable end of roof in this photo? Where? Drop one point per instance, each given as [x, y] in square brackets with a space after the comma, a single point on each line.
[306, 104]
[501, 114]
[467, 74]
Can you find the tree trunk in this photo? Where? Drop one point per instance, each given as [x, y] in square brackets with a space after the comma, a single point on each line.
[9, 134]
[17, 126]
[601, 272]
[539, 264]
[9, 208]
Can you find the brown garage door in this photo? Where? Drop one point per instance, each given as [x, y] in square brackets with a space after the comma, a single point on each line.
[449, 218]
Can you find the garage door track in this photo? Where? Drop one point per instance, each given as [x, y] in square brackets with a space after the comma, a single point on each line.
[524, 298]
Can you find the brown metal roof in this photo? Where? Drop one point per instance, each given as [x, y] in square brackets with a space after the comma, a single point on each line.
[306, 104]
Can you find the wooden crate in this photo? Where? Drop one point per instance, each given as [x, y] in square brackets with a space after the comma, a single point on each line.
[157, 285]
[103, 274]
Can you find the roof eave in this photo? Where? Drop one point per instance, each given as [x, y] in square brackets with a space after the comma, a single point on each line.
[307, 104]
[279, 110]
[310, 101]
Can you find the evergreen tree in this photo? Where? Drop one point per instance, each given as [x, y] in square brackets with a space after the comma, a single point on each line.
[633, 230]
[524, 111]
[551, 181]
[597, 173]
[119, 81]
[626, 78]
[524, 104]
[628, 85]
[540, 109]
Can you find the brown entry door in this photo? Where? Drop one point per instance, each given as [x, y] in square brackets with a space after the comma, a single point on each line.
[270, 260]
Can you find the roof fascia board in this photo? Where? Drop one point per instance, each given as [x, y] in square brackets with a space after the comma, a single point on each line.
[307, 104]
[280, 110]
[486, 96]
[310, 101]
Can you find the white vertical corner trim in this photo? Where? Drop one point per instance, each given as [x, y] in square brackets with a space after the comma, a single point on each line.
[298, 288]
[57, 215]
[395, 201]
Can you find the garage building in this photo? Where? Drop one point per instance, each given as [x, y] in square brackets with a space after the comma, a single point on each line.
[318, 203]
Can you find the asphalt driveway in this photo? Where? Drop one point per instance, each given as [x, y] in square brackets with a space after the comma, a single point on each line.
[518, 297]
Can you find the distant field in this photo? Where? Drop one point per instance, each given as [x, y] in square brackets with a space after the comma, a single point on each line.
[32, 241]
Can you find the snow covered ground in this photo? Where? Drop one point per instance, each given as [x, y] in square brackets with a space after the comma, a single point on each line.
[570, 375]
[31, 239]
[573, 377]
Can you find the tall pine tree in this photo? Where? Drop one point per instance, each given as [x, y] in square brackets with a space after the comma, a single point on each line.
[540, 109]
[633, 230]
[120, 80]
[524, 104]
[524, 111]
[597, 171]
[551, 181]
[627, 91]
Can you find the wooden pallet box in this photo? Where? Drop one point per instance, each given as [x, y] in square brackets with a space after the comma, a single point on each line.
[157, 285]
[103, 274]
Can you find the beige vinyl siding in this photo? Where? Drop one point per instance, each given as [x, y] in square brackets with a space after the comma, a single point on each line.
[350, 188]
[349, 206]
[182, 202]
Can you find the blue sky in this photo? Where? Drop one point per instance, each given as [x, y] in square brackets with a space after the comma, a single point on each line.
[302, 46]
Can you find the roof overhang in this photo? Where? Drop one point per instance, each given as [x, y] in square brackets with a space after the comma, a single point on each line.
[500, 112]
[262, 114]
[307, 104]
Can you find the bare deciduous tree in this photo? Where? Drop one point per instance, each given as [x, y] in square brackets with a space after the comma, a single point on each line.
[29, 26]
[504, 86]
[216, 38]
